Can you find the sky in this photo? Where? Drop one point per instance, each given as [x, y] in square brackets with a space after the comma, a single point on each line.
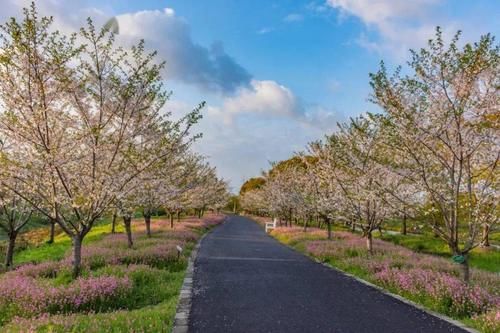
[275, 74]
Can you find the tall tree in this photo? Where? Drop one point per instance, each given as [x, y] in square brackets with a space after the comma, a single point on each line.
[443, 129]
[79, 115]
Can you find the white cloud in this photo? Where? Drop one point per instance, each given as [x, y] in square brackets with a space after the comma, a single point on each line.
[209, 68]
[400, 25]
[333, 85]
[263, 97]
[317, 7]
[265, 30]
[380, 12]
[244, 147]
[293, 18]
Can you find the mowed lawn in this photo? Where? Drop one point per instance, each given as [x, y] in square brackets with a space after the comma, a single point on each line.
[120, 290]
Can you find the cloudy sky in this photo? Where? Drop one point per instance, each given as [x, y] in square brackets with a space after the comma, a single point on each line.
[275, 74]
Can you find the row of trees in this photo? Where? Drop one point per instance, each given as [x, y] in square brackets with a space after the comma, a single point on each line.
[433, 153]
[83, 133]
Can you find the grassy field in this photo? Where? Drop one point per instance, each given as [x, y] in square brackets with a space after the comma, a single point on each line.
[482, 258]
[120, 290]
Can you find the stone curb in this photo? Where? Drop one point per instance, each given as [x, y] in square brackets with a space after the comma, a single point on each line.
[181, 319]
[402, 299]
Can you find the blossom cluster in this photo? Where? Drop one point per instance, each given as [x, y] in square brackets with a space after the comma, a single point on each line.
[449, 293]
[29, 296]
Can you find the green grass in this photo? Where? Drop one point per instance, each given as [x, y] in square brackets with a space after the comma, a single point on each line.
[61, 245]
[487, 259]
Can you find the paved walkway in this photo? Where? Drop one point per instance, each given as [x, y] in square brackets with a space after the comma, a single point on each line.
[245, 281]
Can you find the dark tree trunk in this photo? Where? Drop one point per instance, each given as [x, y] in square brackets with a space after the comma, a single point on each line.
[404, 225]
[52, 231]
[171, 220]
[147, 220]
[9, 257]
[329, 225]
[178, 216]
[464, 267]
[113, 223]
[127, 220]
[369, 242]
[486, 235]
[353, 226]
[77, 255]
[306, 221]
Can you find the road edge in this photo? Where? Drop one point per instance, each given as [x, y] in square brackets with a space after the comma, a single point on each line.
[183, 310]
[402, 299]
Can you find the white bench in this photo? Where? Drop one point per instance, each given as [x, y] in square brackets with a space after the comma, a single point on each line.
[271, 225]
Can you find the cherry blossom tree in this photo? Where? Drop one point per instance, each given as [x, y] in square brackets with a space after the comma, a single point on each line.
[77, 115]
[348, 159]
[442, 129]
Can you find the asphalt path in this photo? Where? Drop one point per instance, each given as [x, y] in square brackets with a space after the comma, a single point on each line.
[245, 281]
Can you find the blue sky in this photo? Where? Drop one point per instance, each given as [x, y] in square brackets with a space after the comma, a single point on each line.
[275, 74]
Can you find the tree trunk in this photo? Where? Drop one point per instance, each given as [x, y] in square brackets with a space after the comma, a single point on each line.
[178, 216]
[113, 223]
[329, 225]
[52, 231]
[403, 231]
[353, 226]
[147, 220]
[127, 220]
[171, 220]
[486, 235]
[77, 255]
[369, 242]
[306, 220]
[9, 257]
[464, 267]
